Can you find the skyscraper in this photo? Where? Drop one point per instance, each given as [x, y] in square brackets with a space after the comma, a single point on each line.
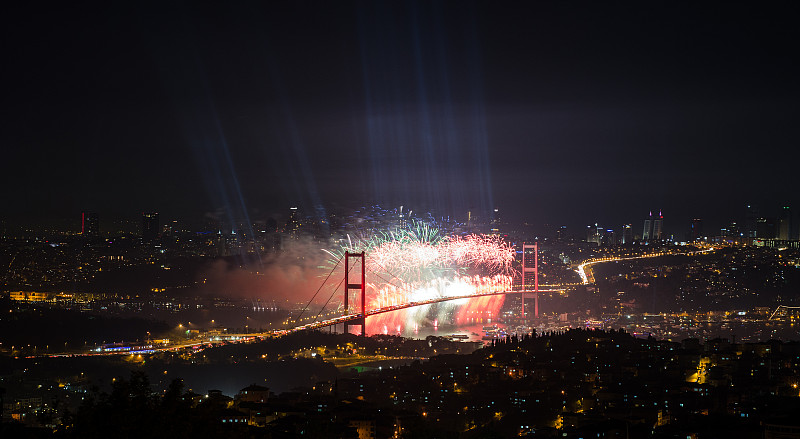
[594, 234]
[292, 227]
[609, 238]
[785, 223]
[494, 224]
[627, 234]
[733, 229]
[750, 221]
[657, 227]
[648, 228]
[90, 224]
[149, 226]
[696, 232]
[765, 228]
[653, 228]
[561, 234]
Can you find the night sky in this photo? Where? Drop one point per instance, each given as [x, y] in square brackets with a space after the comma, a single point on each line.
[557, 112]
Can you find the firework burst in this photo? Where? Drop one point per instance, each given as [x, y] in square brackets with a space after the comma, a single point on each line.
[417, 263]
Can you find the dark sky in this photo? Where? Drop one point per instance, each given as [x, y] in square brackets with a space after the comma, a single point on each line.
[559, 112]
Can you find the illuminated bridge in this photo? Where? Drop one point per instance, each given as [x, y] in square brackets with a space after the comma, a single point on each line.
[358, 283]
[358, 317]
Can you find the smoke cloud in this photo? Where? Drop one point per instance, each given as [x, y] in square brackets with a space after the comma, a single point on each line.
[291, 275]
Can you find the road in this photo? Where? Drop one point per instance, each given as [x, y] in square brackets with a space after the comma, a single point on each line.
[588, 278]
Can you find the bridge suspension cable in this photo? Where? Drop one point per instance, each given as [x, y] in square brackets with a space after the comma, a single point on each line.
[320, 288]
[331, 296]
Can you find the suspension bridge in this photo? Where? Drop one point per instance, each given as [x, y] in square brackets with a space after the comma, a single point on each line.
[357, 283]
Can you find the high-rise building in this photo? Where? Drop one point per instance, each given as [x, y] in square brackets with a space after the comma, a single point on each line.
[733, 229]
[627, 234]
[293, 223]
[750, 221]
[696, 231]
[594, 234]
[609, 238]
[90, 224]
[561, 234]
[657, 227]
[765, 228]
[785, 223]
[149, 226]
[647, 234]
[494, 224]
[653, 227]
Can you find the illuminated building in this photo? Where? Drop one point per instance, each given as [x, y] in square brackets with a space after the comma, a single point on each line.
[90, 224]
[653, 228]
[627, 234]
[609, 238]
[293, 223]
[561, 234]
[149, 226]
[765, 228]
[696, 232]
[648, 228]
[29, 296]
[594, 234]
[254, 393]
[364, 427]
[785, 223]
[732, 230]
[750, 221]
[495, 223]
[657, 227]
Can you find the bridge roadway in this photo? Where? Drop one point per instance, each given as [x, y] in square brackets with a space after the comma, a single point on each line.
[372, 312]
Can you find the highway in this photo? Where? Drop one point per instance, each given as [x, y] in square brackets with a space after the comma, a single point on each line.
[588, 278]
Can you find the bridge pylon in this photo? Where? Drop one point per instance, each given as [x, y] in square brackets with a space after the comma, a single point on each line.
[355, 286]
[524, 292]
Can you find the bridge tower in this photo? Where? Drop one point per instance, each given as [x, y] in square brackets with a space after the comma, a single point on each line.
[361, 321]
[535, 270]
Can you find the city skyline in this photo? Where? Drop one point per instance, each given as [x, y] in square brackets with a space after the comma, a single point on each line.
[777, 224]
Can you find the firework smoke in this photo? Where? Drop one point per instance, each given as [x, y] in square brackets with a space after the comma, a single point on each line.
[417, 263]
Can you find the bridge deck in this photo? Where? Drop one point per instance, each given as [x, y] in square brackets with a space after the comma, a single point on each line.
[372, 312]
